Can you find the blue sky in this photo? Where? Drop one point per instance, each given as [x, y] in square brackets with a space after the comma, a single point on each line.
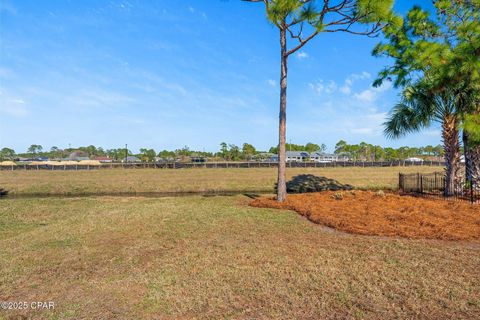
[165, 74]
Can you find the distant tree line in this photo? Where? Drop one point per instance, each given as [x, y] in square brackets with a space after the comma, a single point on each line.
[309, 147]
[368, 152]
[229, 152]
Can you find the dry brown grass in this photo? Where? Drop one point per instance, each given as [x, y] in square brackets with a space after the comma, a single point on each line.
[111, 181]
[385, 214]
[218, 258]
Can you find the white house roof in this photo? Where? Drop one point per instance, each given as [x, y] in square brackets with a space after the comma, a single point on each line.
[297, 154]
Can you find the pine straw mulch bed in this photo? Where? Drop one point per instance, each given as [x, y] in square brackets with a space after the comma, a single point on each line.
[385, 214]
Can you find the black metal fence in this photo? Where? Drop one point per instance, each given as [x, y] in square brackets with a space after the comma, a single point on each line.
[435, 185]
[214, 165]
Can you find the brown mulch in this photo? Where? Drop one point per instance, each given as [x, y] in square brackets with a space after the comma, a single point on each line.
[385, 214]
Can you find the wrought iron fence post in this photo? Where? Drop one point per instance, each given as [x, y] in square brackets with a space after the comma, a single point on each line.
[417, 185]
[421, 184]
[400, 182]
[471, 192]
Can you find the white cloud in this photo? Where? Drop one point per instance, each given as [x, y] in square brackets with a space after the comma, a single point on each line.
[345, 89]
[320, 87]
[366, 95]
[15, 107]
[198, 13]
[351, 79]
[302, 55]
[272, 82]
[12, 106]
[371, 94]
[384, 87]
[368, 125]
[331, 87]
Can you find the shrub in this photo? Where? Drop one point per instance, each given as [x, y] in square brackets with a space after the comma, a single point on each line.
[380, 193]
[338, 196]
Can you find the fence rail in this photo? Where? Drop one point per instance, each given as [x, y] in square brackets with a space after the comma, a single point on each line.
[435, 185]
[215, 165]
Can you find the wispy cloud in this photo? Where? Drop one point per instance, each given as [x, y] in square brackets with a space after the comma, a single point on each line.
[353, 111]
[371, 94]
[302, 55]
[320, 87]
[365, 95]
[272, 82]
[368, 95]
[15, 107]
[351, 79]
[202, 14]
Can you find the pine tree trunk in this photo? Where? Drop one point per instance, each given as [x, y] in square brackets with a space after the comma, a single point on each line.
[472, 161]
[282, 127]
[451, 143]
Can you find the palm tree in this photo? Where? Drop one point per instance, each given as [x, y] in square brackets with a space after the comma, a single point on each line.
[471, 145]
[471, 134]
[421, 106]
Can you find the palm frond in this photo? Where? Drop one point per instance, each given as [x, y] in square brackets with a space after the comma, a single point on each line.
[403, 119]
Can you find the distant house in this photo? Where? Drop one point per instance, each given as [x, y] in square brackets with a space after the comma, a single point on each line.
[413, 159]
[103, 159]
[164, 159]
[273, 158]
[300, 156]
[131, 159]
[264, 156]
[297, 156]
[328, 157]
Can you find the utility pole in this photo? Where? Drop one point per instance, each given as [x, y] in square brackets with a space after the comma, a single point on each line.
[126, 152]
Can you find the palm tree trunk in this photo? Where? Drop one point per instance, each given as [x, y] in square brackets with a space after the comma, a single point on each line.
[472, 160]
[451, 144]
[282, 127]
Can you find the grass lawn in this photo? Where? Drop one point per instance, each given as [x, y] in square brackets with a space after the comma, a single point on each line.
[112, 181]
[217, 258]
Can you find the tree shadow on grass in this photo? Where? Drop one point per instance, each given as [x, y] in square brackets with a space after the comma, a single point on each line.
[309, 183]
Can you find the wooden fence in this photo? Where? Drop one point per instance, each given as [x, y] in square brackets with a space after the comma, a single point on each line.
[215, 165]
